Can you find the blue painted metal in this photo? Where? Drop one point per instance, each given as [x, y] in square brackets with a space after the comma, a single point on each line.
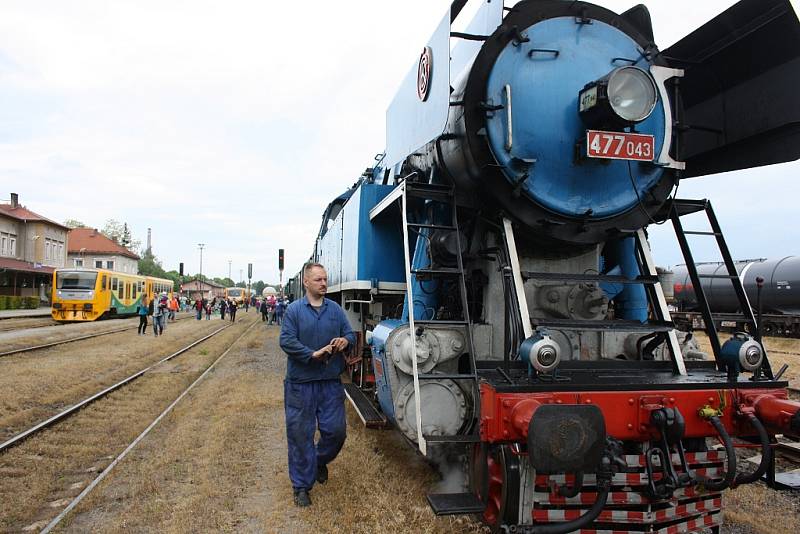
[486, 20]
[357, 249]
[546, 124]
[410, 122]
[425, 293]
[383, 383]
[631, 299]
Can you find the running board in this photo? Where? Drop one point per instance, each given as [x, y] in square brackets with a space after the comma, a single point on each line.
[455, 503]
[366, 411]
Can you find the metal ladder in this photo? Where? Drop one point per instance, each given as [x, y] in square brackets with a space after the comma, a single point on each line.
[441, 503]
[662, 319]
[681, 207]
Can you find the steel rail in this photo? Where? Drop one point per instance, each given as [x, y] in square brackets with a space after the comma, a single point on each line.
[74, 408]
[50, 526]
[70, 340]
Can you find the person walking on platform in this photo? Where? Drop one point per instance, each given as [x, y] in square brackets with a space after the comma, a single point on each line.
[198, 307]
[141, 310]
[263, 310]
[314, 335]
[222, 307]
[209, 308]
[280, 307]
[173, 307]
[158, 316]
[232, 310]
[246, 304]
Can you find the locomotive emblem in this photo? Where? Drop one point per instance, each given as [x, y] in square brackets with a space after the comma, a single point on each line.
[424, 71]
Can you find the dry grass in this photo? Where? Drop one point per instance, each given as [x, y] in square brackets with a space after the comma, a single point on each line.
[219, 464]
[763, 510]
[34, 386]
[38, 477]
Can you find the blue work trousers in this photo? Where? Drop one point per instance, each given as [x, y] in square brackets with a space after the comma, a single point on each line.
[308, 405]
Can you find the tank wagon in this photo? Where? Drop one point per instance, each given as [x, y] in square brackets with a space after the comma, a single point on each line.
[779, 298]
[494, 260]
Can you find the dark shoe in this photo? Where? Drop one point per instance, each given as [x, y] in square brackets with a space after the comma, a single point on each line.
[322, 474]
[302, 499]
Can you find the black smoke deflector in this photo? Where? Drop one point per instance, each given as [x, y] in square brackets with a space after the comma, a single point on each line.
[739, 92]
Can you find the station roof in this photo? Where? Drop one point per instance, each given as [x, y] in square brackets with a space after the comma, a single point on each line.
[21, 213]
[9, 264]
[91, 241]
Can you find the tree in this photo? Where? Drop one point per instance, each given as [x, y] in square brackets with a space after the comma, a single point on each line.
[258, 287]
[74, 223]
[225, 282]
[150, 266]
[121, 234]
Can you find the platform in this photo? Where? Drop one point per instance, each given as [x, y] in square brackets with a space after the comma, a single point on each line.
[13, 314]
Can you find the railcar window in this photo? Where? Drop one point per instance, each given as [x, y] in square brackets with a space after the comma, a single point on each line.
[127, 290]
[121, 292]
[104, 282]
[133, 290]
[114, 283]
[75, 280]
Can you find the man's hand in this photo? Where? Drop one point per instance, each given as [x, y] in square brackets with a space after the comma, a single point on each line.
[323, 353]
[339, 343]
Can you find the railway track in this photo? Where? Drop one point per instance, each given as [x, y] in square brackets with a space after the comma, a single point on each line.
[48, 524]
[72, 339]
[18, 438]
[10, 325]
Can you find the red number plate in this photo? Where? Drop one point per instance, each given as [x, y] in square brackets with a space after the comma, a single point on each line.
[620, 145]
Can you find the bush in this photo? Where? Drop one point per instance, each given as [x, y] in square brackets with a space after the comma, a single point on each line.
[8, 302]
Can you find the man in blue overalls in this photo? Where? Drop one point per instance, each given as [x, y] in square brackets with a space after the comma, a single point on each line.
[314, 334]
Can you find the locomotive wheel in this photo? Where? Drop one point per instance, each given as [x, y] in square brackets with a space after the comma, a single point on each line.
[494, 478]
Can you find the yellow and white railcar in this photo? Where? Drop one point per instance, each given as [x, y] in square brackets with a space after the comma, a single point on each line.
[237, 294]
[90, 294]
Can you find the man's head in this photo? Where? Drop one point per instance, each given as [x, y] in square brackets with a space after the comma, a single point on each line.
[315, 280]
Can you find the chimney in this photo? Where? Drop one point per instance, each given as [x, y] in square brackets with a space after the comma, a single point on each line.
[14, 200]
[94, 232]
[149, 242]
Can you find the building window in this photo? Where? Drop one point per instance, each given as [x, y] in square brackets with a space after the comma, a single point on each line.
[98, 264]
[13, 246]
[47, 249]
[4, 245]
[110, 265]
[78, 262]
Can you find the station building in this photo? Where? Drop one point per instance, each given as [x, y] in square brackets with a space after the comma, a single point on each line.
[206, 289]
[90, 249]
[31, 247]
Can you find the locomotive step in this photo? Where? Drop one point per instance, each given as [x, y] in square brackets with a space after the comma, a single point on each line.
[460, 438]
[455, 503]
[725, 276]
[446, 271]
[437, 322]
[615, 324]
[573, 277]
[364, 408]
[432, 226]
[443, 376]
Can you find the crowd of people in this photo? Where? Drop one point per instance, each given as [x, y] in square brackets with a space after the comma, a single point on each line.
[163, 308]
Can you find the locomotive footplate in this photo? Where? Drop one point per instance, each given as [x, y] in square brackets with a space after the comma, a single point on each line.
[613, 375]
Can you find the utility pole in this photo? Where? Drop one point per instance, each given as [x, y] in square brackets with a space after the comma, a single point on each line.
[229, 269]
[241, 276]
[200, 246]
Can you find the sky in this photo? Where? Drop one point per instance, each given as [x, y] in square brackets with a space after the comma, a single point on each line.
[233, 124]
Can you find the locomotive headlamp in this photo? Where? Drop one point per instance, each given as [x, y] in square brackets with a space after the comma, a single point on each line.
[541, 352]
[624, 96]
[741, 353]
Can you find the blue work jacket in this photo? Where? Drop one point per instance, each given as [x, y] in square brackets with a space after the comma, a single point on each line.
[305, 330]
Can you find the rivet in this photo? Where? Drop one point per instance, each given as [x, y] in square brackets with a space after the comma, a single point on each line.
[631, 401]
[630, 426]
[642, 428]
[505, 419]
[711, 399]
[588, 401]
[559, 401]
[505, 433]
[672, 400]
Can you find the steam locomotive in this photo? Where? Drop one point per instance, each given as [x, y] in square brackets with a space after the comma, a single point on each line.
[495, 262]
